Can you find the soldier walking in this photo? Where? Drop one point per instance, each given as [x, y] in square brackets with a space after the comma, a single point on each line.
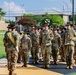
[69, 38]
[35, 45]
[45, 41]
[56, 43]
[25, 44]
[4, 40]
[11, 40]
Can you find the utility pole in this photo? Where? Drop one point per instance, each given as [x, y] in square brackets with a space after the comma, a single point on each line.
[73, 12]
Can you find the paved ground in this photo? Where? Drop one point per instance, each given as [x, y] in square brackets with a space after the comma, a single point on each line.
[36, 69]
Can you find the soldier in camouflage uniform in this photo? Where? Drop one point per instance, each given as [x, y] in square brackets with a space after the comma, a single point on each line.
[35, 45]
[12, 44]
[45, 41]
[5, 45]
[56, 43]
[31, 33]
[69, 38]
[19, 53]
[25, 44]
[75, 45]
[62, 48]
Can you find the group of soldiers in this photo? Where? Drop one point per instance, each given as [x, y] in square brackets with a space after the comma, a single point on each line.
[43, 43]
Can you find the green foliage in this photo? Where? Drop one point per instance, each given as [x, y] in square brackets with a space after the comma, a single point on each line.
[56, 19]
[10, 21]
[37, 18]
[2, 50]
[75, 19]
[2, 13]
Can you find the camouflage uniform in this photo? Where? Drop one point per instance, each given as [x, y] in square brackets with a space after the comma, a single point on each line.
[75, 47]
[69, 38]
[32, 32]
[19, 53]
[5, 45]
[35, 47]
[62, 48]
[12, 52]
[56, 42]
[4, 40]
[25, 45]
[45, 41]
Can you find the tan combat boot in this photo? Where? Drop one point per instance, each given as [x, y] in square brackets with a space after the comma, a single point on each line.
[67, 67]
[70, 67]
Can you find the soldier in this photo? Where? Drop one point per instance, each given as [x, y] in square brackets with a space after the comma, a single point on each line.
[19, 53]
[35, 45]
[31, 33]
[62, 48]
[25, 44]
[75, 45]
[45, 41]
[12, 51]
[5, 45]
[69, 38]
[56, 43]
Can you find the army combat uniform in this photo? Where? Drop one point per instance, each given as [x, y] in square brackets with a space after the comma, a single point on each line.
[69, 38]
[25, 44]
[4, 40]
[35, 46]
[45, 41]
[11, 43]
[56, 42]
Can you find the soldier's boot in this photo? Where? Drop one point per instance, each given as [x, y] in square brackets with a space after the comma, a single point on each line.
[10, 73]
[67, 67]
[55, 62]
[71, 66]
[37, 62]
[25, 65]
[47, 66]
[75, 61]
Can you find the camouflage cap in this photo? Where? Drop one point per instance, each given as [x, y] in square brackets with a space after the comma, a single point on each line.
[68, 24]
[9, 26]
[55, 29]
[13, 26]
[25, 32]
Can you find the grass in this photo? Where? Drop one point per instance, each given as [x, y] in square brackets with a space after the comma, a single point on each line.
[2, 50]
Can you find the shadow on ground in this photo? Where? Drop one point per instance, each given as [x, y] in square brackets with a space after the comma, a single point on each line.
[60, 68]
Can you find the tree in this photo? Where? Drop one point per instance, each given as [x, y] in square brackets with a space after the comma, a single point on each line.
[35, 17]
[10, 21]
[56, 19]
[27, 22]
[2, 13]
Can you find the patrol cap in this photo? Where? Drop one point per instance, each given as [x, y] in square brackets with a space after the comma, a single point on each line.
[55, 29]
[68, 24]
[45, 25]
[25, 32]
[13, 26]
[9, 26]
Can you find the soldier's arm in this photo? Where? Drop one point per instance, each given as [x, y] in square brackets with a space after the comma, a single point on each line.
[40, 38]
[4, 39]
[74, 33]
[29, 44]
[51, 35]
[59, 40]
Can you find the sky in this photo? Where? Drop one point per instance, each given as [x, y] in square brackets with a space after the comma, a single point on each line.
[18, 7]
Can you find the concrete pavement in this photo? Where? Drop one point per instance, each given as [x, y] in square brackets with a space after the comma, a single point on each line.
[36, 69]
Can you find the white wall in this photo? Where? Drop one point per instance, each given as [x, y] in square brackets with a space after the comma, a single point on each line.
[65, 18]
